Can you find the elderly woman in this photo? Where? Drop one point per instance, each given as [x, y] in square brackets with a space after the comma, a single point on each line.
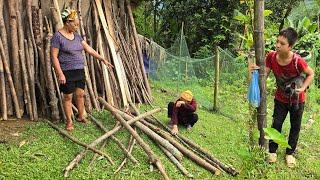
[66, 51]
[183, 112]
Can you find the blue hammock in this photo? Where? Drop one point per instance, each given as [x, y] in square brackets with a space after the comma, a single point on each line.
[254, 90]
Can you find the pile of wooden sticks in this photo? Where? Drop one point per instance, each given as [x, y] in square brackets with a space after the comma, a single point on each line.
[175, 147]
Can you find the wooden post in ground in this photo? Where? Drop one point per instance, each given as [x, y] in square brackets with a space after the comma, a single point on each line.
[259, 53]
[216, 77]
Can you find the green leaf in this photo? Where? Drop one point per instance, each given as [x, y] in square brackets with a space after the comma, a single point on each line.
[277, 137]
[267, 12]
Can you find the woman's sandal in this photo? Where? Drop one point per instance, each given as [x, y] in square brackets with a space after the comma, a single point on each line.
[69, 127]
[83, 120]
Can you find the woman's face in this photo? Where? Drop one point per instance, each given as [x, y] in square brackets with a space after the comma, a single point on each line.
[73, 26]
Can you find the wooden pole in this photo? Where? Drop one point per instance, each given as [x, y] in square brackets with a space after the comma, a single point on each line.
[57, 15]
[137, 43]
[216, 78]
[152, 156]
[259, 53]
[194, 157]
[15, 54]
[3, 92]
[50, 84]
[107, 135]
[11, 85]
[116, 59]
[73, 139]
[3, 36]
[31, 82]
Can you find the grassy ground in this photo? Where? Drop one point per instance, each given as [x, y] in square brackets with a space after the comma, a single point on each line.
[41, 153]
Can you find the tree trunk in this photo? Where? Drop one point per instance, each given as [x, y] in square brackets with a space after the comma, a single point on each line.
[259, 53]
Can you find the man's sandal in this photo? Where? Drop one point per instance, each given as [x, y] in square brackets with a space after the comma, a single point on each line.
[291, 161]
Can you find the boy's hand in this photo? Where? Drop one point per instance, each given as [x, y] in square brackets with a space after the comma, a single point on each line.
[299, 90]
[253, 67]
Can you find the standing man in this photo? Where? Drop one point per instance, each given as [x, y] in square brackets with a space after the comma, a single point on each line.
[286, 66]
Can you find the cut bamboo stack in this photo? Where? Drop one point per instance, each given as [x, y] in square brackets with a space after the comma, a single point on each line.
[28, 83]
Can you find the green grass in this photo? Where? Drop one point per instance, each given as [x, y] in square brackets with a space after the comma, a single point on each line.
[224, 134]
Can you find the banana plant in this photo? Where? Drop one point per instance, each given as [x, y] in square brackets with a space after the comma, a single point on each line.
[303, 26]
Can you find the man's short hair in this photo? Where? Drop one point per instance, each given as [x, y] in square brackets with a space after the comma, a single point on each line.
[289, 33]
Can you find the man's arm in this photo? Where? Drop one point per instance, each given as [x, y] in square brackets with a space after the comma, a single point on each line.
[310, 74]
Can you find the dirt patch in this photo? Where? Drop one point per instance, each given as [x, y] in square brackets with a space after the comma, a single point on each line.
[11, 130]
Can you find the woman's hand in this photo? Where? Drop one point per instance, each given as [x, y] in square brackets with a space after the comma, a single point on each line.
[62, 78]
[107, 63]
[179, 103]
[174, 129]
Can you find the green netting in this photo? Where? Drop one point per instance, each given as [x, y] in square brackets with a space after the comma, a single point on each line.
[175, 68]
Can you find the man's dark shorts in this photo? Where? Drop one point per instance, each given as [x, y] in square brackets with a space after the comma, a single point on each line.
[74, 79]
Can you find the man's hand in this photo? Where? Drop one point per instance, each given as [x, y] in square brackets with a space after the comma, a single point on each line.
[300, 90]
[107, 63]
[174, 129]
[179, 103]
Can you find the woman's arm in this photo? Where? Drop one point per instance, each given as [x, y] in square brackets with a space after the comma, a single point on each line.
[94, 53]
[56, 65]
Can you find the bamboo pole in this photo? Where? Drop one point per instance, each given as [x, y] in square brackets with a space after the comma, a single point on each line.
[3, 36]
[11, 85]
